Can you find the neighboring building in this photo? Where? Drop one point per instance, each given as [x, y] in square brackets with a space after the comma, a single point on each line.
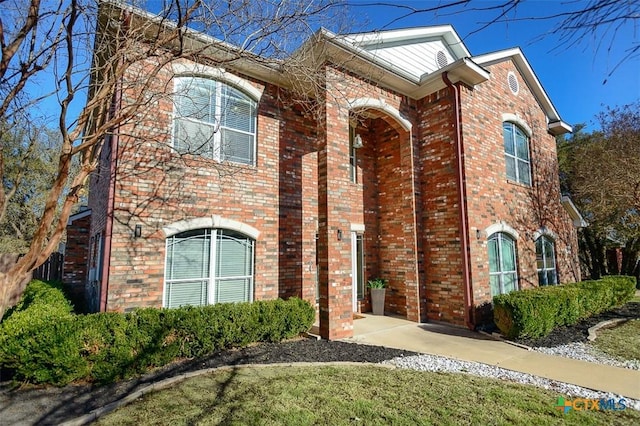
[427, 166]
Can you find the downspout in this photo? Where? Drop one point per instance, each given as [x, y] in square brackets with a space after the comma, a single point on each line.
[113, 167]
[462, 201]
[106, 253]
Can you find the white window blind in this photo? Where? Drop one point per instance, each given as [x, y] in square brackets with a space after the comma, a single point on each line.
[193, 278]
[503, 275]
[214, 120]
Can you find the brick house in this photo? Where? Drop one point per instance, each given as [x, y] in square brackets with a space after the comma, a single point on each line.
[421, 164]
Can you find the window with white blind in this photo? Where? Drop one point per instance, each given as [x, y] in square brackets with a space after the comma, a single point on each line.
[214, 120]
[516, 153]
[207, 266]
[503, 275]
[546, 261]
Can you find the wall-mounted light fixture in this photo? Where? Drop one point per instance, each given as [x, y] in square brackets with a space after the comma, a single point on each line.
[357, 141]
[480, 234]
[137, 232]
[339, 234]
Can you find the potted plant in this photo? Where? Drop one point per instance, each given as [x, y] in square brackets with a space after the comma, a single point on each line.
[377, 289]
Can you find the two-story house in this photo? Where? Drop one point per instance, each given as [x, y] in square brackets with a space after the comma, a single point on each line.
[420, 163]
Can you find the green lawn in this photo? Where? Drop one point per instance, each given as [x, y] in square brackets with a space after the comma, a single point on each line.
[622, 341]
[352, 395]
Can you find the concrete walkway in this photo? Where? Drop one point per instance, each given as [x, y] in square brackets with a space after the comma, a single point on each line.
[462, 344]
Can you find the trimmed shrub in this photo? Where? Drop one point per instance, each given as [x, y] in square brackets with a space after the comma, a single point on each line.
[39, 339]
[536, 312]
[42, 341]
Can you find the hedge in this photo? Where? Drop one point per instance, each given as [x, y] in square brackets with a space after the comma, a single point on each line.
[42, 341]
[536, 312]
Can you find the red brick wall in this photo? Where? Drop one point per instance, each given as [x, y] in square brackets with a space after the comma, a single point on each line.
[156, 187]
[74, 273]
[406, 196]
[493, 199]
[439, 208]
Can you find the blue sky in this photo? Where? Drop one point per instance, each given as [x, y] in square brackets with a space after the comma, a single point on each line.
[572, 75]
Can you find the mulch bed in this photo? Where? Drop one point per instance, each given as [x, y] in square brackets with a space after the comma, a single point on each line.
[30, 406]
[580, 331]
[50, 405]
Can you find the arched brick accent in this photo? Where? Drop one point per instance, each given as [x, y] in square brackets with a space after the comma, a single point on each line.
[214, 221]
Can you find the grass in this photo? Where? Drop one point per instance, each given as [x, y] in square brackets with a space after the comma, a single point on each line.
[352, 395]
[622, 341]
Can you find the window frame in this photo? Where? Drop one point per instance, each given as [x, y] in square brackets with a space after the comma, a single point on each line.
[221, 94]
[353, 155]
[502, 274]
[516, 130]
[212, 281]
[542, 256]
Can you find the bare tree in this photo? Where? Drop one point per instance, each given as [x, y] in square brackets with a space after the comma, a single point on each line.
[580, 22]
[69, 58]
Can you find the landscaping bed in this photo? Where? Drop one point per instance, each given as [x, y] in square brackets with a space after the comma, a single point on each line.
[580, 331]
[55, 405]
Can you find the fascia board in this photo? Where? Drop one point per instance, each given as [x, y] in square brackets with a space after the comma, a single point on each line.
[574, 213]
[78, 215]
[242, 61]
[463, 70]
[401, 36]
[532, 82]
[557, 128]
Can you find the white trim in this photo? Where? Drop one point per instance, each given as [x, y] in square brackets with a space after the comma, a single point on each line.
[354, 271]
[511, 75]
[530, 79]
[513, 118]
[559, 128]
[181, 69]
[215, 221]
[546, 233]
[357, 227]
[380, 105]
[408, 35]
[79, 215]
[501, 227]
[574, 213]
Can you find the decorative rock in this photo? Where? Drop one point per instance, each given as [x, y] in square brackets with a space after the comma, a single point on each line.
[441, 364]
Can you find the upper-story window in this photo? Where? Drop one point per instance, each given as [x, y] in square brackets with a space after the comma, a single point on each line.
[546, 261]
[516, 153]
[214, 120]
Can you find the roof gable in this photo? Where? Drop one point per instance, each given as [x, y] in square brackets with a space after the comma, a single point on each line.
[556, 125]
[417, 51]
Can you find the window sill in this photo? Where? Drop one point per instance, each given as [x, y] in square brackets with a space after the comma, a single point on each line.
[516, 183]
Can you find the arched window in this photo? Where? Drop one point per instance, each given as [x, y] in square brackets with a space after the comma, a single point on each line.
[214, 120]
[516, 153]
[546, 261]
[206, 266]
[503, 273]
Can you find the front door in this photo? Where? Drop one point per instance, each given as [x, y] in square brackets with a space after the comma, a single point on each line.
[357, 268]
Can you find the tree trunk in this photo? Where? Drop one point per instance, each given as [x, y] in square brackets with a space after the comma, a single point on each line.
[593, 253]
[630, 261]
[12, 285]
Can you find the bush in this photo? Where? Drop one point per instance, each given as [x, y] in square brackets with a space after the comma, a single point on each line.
[42, 341]
[536, 312]
[39, 339]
